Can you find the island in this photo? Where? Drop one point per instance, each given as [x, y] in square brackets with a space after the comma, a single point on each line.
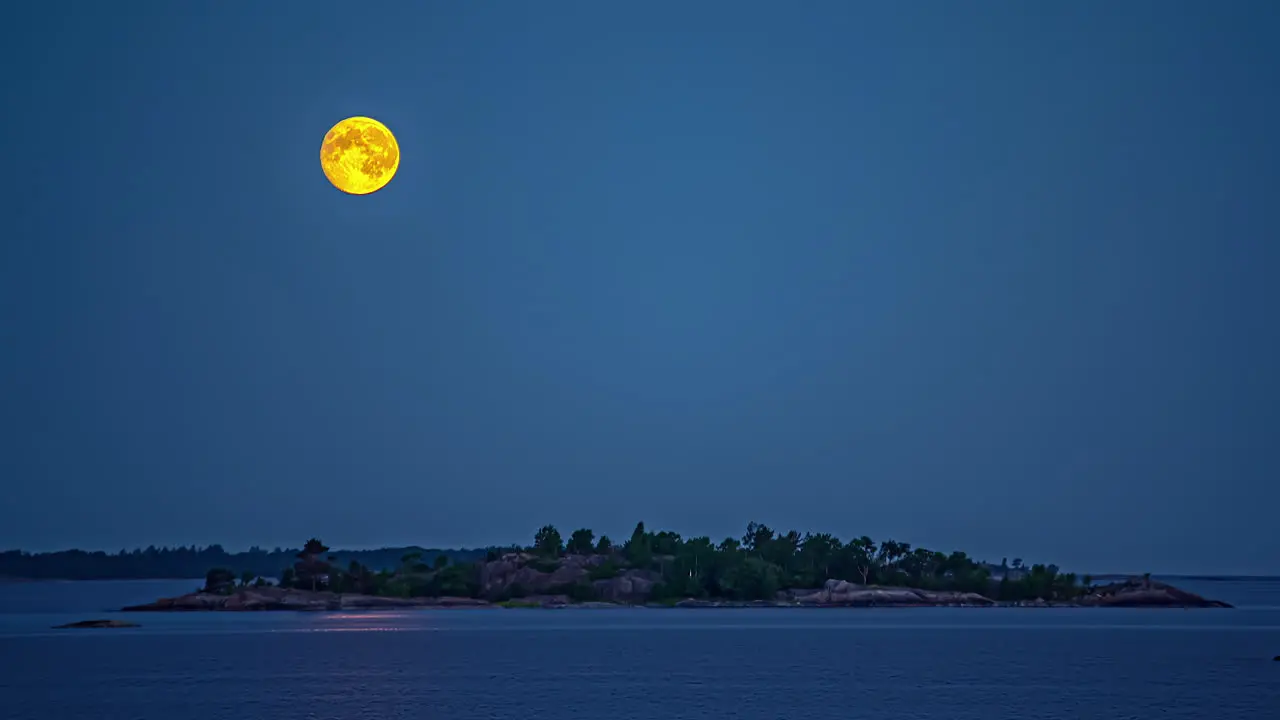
[764, 568]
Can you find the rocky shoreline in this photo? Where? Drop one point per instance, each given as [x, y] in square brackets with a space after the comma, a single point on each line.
[1133, 593]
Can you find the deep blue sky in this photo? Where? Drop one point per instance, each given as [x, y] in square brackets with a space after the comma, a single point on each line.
[996, 276]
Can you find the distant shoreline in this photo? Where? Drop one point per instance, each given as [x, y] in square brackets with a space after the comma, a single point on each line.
[12, 580]
[9, 579]
[763, 568]
[1196, 578]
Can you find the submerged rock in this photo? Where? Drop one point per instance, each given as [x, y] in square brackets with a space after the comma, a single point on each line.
[95, 624]
[274, 598]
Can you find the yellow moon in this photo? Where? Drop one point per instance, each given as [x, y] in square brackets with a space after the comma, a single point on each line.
[359, 155]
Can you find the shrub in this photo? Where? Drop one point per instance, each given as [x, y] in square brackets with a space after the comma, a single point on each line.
[605, 571]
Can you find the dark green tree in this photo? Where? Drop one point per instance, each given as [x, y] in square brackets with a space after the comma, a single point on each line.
[752, 579]
[581, 542]
[862, 554]
[819, 553]
[604, 546]
[757, 538]
[638, 549]
[411, 563]
[311, 569]
[547, 542]
[219, 580]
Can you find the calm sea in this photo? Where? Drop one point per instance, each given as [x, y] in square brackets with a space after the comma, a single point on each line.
[908, 664]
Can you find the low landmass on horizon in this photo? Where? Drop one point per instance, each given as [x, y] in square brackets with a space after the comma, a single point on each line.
[192, 562]
[189, 563]
[663, 568]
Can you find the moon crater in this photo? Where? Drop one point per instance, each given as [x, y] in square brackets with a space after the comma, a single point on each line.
[359, 155]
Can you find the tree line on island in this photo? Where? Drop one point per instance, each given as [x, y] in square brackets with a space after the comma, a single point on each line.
[753, 567]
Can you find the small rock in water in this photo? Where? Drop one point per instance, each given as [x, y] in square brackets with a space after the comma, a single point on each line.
[97, 624]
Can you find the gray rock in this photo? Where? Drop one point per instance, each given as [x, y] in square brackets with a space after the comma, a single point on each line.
[568, 575]
[1141, 592]
[629, 586]
[841, 593]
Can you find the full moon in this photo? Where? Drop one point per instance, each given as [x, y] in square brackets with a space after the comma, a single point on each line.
[359, 155]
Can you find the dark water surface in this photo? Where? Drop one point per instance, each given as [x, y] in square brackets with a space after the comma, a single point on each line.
[910, 664]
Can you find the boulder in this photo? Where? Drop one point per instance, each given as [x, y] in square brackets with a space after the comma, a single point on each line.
[568, 575]
[496, 574]
[516, 571]
[629, 586]
[585, 562]
[840, 586]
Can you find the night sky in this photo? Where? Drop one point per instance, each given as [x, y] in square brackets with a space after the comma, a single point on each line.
[995, 276]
